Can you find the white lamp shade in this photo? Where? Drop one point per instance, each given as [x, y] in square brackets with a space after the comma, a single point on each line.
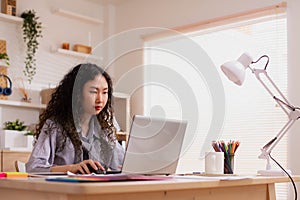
[235, 70]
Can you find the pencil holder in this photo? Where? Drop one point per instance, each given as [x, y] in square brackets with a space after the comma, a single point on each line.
[228, 150]
[228, 163]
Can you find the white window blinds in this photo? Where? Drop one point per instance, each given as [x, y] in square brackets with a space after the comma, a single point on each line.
[251, 115]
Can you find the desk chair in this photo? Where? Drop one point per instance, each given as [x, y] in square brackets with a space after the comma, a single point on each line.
[20, 166]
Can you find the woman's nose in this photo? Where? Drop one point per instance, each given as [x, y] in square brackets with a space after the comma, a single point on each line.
[99, 97]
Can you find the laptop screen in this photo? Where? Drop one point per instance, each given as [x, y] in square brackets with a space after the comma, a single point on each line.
[154, 145]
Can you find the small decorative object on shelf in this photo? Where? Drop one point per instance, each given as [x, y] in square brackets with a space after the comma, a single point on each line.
[26, 98]
[65, 45]
[22, 89]
[7, 89]
[9, 7]
[32, 30]
[83, 48]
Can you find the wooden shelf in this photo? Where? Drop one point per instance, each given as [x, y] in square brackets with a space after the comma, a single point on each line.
[78, 54]
[21, 104]
[10, 18]
[77, 16]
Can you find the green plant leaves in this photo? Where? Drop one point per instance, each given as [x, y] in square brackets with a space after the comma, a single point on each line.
[32, 30]
[15, 125]
[4, 56]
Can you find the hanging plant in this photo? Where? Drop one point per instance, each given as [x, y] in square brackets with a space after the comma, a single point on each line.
[32, 30]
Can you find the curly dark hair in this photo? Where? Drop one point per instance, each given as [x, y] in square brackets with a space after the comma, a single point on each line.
[65, 105]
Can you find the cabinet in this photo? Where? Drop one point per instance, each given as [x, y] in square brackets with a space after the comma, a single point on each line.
[8, 158]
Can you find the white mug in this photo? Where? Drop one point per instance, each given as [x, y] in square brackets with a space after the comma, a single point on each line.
[214, 162]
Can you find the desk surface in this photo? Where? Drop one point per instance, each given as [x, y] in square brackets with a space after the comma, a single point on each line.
[136, 186]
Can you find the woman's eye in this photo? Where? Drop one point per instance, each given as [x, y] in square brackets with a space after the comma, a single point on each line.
[93, 92]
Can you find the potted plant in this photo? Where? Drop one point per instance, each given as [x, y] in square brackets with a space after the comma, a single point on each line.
[16, 125]
[15, 135]
[32, 30]
[4, 58]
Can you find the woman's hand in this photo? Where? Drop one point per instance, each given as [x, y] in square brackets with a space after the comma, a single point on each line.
[83, 168]
[79, 167]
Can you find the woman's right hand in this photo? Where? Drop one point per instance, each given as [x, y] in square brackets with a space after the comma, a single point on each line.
[79, 167]
[83, 168]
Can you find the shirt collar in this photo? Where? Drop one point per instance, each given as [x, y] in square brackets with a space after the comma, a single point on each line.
[94, 130]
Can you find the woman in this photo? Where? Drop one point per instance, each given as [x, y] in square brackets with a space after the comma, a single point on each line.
[76, 129]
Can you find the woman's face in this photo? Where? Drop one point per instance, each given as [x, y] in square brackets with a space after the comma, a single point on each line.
[95, 95]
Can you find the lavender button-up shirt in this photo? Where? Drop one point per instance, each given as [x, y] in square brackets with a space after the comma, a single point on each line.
[45, 153]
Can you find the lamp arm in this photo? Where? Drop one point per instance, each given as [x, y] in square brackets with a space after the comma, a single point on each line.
[284, 103]
[266, 150]
[292, 112]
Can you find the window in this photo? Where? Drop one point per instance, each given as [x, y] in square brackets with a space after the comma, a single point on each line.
[251, 115]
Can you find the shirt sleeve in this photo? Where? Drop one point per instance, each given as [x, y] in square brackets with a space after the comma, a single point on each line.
[42, 155]
[117, 157]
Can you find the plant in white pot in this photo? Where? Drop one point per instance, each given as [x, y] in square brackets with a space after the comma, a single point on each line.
[14, 136]
[4, 59]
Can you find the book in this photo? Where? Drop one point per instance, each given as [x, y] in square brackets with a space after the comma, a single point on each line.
[107, 177]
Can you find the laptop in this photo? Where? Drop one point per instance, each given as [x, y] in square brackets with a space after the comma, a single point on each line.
[154, 145]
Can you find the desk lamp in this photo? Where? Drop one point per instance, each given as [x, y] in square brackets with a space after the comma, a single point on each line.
[235, 71]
